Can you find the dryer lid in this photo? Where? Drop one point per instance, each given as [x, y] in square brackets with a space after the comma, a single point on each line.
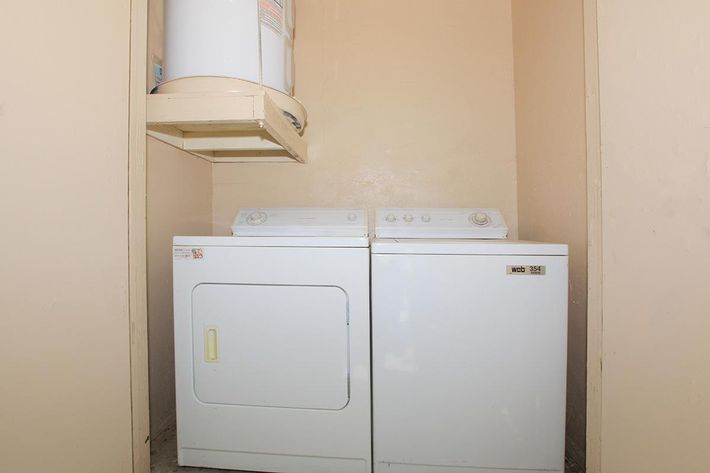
[467, 223]
[300, 222]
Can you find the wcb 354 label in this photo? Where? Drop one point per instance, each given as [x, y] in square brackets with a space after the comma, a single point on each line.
[531, 270]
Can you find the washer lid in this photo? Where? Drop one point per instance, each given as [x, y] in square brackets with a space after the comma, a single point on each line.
[466, 247]
[300, 222]
[473, 223]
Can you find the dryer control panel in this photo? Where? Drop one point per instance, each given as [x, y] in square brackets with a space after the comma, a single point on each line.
[473, 223]
[297, 222]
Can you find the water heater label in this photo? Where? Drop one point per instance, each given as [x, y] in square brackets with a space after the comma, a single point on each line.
[271, 13]
[157, 71]
[527, 270]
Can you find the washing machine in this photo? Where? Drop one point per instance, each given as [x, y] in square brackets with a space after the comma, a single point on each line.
[272, 343]
[468, 345]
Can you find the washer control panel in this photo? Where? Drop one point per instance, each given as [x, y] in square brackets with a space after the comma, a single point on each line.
[471, 223]
[315, 222]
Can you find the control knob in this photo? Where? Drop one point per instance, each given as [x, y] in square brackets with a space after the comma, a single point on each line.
[479, 218]
[256, 218]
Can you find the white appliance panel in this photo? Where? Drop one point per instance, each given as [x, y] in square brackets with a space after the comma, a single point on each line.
[271, 346]
[480, 223]
[468, 363]
[300, 222]
[450, 246]
[274, 242]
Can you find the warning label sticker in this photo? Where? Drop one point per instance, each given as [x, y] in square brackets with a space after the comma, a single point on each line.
[271, 13]
[182, 253]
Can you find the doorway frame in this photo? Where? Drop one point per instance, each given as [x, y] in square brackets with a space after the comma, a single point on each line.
[594, 240]
[137, 238]
[137, 284]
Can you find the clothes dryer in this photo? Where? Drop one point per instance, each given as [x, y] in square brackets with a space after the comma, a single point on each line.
[272, 343]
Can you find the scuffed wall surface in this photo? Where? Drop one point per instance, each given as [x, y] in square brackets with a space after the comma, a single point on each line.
[64, 326]
[409, 103]
[655, 126]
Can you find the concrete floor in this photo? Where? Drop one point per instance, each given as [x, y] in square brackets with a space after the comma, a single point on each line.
[163, 458]
[572, 467]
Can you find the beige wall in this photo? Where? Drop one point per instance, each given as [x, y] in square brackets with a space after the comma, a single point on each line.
[409, 103]
[64, 332]
[655, 130]
[179, 203]
[551, 149]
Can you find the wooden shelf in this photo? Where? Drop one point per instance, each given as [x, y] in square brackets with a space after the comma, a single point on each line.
[226, 127]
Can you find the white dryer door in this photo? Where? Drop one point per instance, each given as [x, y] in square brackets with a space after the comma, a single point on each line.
[270, 345]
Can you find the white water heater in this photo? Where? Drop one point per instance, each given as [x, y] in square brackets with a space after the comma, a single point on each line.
[249, 40]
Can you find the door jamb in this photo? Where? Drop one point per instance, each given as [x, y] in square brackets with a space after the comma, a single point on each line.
[137, 283]
[137, 239]
[594, 242]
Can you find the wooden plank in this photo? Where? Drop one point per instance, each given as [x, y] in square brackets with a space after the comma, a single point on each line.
[594, 237]
[137, 286]
[210, 125]
[276, 124]
[226, 141]
[251, 126]
[167, 134]
[170, 109]
[253, 156]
